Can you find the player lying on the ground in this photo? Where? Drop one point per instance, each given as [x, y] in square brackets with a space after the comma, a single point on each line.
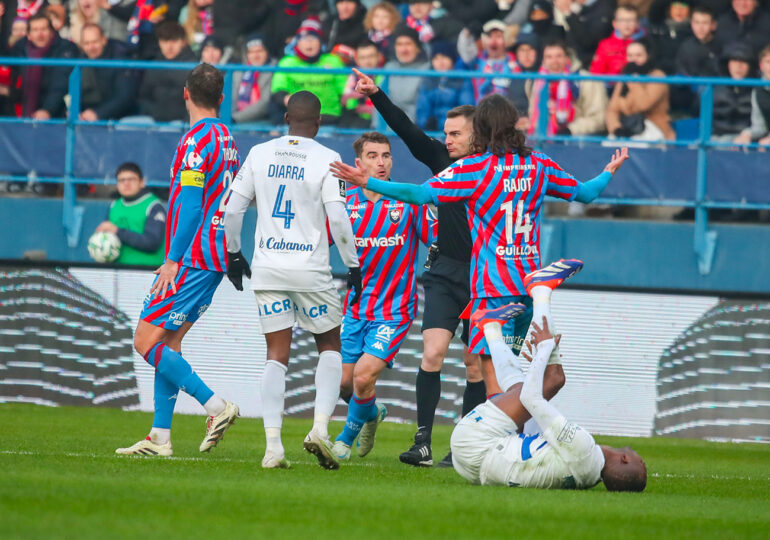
[505, 184]
[388, 234]
[295, 194]
[487, 447]
[204, 164]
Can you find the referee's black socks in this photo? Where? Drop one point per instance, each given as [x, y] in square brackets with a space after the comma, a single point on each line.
[475, 394]
[428, 388]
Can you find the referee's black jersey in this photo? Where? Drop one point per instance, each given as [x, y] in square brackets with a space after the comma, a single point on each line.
[454, 236]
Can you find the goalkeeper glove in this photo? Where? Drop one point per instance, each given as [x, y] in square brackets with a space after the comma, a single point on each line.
[236, 268]
[355, 283]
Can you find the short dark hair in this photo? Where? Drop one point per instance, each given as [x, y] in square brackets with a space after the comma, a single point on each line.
[38, 17]
[367, 43]
[462, 110]
[129, 166]
[764, 52]
[170, 31]
[303, 107]
[369, 137]
[703, 10]
[621, 477]
[494, 128]
[557, 43]
[205, 84]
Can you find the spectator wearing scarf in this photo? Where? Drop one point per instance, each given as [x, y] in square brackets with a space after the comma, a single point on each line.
[380, 22]
[576, 108]
[252, 88]
[493, 59]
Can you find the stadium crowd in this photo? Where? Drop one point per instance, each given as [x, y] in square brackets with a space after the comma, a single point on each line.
[729, 38]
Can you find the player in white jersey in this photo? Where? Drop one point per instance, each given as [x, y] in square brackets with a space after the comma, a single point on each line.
[290, 273]
[487, 447]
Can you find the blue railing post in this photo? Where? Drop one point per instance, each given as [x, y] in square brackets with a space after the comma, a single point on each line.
[705, 241]
[72, 215]
[226, 109]
[541, 129]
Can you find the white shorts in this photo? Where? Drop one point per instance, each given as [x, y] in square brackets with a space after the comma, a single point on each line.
[315, 311]
[482, 429]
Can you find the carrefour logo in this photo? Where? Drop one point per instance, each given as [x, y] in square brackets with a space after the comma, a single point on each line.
[274, 244]
[391, 241]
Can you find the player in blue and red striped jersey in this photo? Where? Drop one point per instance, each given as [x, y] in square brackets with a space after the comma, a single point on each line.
[504, 185]
[203, 168]
[387, 235]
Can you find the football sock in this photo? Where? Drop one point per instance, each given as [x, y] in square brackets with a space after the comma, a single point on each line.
[178, 372]
[160, 435]
[328, 376]
[507, 366]
[360, 411]
[541, 307]
[164, 397]
[475, 394]
[273, 388]
[214, 405]
[428, 389]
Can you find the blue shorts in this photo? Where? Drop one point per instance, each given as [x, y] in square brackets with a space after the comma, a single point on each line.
[381, 339]
[194, 290]
[514, 331]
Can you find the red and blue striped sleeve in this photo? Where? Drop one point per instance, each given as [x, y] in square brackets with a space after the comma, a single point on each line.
[458, 182]
[192, 180]
[425, 224]
[559, 183]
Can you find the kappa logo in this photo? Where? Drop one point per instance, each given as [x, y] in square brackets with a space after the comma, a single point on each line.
[377, 345]
[355, 215]
[190, 141]
[202, 309]
[194, 161]
[395, 215]
[384, 333]
[160, 216]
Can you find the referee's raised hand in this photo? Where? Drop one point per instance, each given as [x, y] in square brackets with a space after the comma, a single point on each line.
[365, 84]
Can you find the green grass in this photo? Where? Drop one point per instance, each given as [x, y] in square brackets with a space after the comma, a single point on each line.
[60, 479]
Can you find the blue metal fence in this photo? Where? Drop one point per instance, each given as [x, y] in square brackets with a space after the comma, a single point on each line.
[704, 240]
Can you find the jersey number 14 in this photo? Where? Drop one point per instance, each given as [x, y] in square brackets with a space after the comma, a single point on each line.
[286, 214]
[525, 226]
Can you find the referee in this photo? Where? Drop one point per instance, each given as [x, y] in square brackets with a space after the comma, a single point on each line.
[447, 282]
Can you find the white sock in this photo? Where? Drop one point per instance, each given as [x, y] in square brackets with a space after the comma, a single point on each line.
[214, 405]
[160, 435]
[328, 376]
[541, 308]
[274, 444]
[273, 388]
[507, 366]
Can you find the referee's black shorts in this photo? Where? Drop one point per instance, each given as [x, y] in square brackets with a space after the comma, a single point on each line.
[447, 293]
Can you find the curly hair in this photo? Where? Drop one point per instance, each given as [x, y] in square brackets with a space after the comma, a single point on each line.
[494, 128]
[395, 16]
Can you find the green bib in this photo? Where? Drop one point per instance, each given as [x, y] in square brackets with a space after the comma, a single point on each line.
[132, 216]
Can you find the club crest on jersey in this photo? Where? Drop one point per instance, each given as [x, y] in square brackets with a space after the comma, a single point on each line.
[194, 160]
[293, 142]
[395, 215]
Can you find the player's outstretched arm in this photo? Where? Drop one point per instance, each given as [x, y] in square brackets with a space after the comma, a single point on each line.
[401, 191]
[588, 191]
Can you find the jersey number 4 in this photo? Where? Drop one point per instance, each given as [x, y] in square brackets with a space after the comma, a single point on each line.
[525, 226]
[286, 214]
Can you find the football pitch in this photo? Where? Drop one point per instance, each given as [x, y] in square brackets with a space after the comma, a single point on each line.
[60, 479]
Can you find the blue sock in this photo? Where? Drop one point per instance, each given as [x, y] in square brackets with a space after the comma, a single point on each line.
[360, 411]
[178, 372]
[165, 400]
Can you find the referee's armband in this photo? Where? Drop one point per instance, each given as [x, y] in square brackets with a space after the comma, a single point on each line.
[192, 178]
